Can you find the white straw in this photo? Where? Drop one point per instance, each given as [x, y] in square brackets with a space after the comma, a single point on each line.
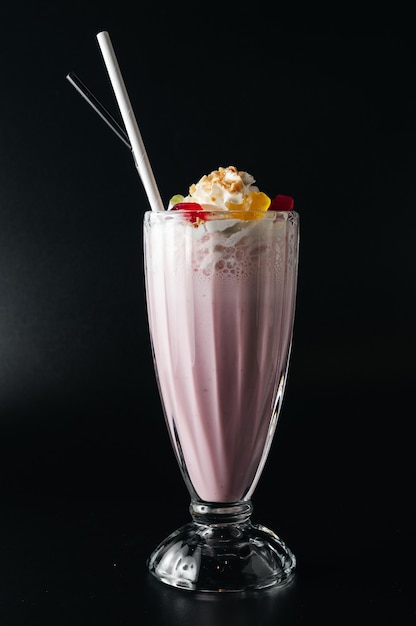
[133, 132]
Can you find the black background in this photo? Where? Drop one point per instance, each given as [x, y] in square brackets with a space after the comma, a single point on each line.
[320, 106]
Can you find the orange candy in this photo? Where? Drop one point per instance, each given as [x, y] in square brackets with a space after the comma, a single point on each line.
[255, 201]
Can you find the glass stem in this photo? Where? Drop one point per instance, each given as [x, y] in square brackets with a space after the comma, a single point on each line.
[221, 513]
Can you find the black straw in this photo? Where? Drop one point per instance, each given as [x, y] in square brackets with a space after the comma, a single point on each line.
[98, 108]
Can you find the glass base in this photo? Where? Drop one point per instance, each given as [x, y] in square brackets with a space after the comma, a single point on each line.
[222, 550]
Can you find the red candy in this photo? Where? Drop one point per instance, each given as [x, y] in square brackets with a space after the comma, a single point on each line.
[282, 203]
[195, 210]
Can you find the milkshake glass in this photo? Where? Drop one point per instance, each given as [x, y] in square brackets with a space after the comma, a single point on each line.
[221, 302]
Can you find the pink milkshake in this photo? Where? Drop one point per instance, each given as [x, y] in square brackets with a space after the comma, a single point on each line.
[221, 273]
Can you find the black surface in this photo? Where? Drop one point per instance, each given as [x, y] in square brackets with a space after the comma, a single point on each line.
[322, 110]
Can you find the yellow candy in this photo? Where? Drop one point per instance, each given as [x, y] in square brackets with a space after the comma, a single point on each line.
[256, 201]
[259, 201]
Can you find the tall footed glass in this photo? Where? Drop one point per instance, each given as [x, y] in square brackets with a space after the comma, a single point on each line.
[221, 303]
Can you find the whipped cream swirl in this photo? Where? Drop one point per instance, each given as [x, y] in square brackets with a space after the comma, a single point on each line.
[222, 187]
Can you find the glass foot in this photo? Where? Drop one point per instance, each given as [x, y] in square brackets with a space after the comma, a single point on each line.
[222, 550]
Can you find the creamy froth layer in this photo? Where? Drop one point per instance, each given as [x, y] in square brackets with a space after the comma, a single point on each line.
[226, 248]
